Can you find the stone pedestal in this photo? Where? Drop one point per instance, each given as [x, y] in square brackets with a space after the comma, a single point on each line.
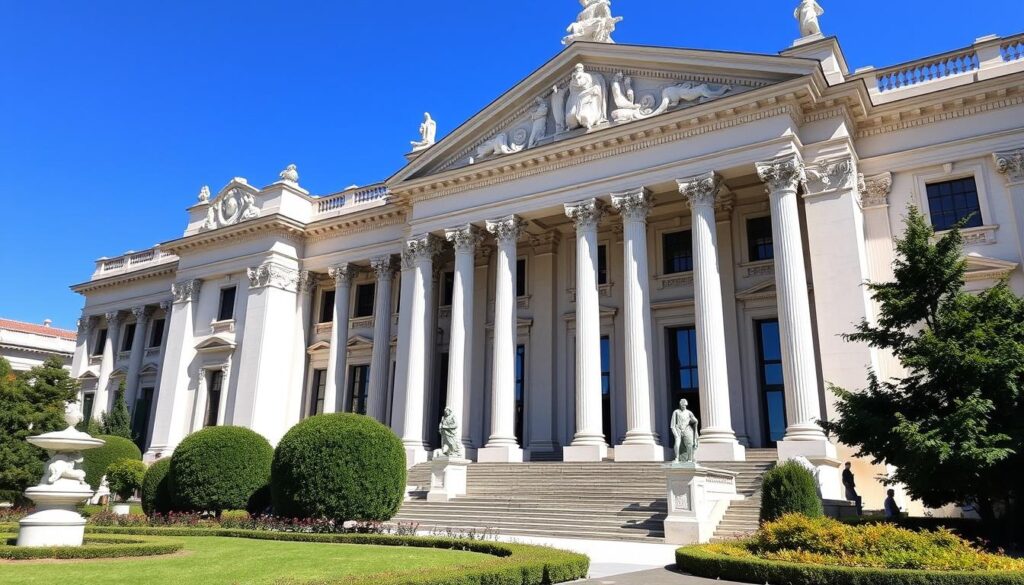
[697, 500]
[584, 453]
[626, 453]
[728, 451]
[447, 478]
[500, 454]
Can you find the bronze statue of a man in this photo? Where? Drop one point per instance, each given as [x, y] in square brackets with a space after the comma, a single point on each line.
[686, 430]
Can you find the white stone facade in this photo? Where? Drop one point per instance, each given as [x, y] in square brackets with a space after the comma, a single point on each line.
[27, 345]
[570, 261]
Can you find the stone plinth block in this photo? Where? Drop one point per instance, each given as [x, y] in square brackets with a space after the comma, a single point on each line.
[697, 500]
[415, 456]
[503, 454]
[584, 453]
[726, 451]
[447, 478]
[628, 453]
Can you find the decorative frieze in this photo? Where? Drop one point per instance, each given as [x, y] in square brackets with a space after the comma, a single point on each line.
[781, 174]
[700, 190]
[237, 205]
[1011, 164]
[586, 214]
[680, 280]
[828, 176]
[271, 274]
[874, 191]
[634, 204]
[506, 229]
[186, 291]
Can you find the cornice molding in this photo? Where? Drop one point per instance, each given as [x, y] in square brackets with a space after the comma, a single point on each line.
[272, 224]
[168, 269]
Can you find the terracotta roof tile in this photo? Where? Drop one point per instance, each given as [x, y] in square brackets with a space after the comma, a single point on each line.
[37, 329]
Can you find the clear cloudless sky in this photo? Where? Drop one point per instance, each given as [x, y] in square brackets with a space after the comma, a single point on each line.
[114, 113]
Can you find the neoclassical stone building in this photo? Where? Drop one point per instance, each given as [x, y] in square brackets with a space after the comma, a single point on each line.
[626, 227]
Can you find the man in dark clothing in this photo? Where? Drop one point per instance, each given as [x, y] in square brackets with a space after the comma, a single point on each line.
[851, 489]
[892, 509]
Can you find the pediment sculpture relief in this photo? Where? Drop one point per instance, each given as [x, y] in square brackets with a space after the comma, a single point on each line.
[595, 23]
[235, 206]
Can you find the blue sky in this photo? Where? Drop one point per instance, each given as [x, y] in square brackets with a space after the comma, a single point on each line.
[114, 113]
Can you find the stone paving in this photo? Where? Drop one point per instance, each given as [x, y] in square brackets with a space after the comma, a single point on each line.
[654, 577]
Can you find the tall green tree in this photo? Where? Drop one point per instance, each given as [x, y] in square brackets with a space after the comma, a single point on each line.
[30, 403]
[953, 426]
[118, 421]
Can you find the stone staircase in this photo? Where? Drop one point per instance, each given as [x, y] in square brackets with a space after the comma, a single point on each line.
[603, 501]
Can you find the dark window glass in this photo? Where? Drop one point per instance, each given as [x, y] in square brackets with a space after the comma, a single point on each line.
[327, 306]
[359, 379]
[213, 397]
[101, 340]
[140, 422]
[678, 251]
[129, 337]
[683, 379]
[520, 390]
[951, 201]
[602, 265]
[769, 364]
[759, 239]
[88, 400]
[606, 389]
[447, 288]
[156, 336]
[316, 403]
[227, 304]
[521, 277]
[364, 299]
[440, 397]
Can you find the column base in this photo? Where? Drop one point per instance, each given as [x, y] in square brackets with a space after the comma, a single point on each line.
[502, 454]
[584, 453]
[627, 453]
[730, 451]
[415, 455]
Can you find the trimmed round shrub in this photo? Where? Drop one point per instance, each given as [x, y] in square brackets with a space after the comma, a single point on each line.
[219, 468]
[156, 492]
[789, 489]
[95, 461]
[339, 466]
[125, 477]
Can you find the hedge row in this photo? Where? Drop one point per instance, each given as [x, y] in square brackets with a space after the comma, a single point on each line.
[514, 564]
[96, 547]
[702, 563]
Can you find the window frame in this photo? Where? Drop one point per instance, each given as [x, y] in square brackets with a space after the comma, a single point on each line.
[522, 276]
[128, 336]
[952, 172]
[221, 305]
[99, 340]
[326, 306]
[317, 382]
[748, 240]
[605, 272]
[213, 406]
[760, 364]
[663, 251]
[356, 298]
[154, 339]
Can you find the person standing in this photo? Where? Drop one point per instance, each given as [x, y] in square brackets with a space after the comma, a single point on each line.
[851, 489]
[892, 509]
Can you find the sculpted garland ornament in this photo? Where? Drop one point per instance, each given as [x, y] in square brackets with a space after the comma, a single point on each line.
[273, 275]
[237, 205]
[186, 290]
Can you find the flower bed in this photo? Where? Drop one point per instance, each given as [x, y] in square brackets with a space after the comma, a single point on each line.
[95, 547]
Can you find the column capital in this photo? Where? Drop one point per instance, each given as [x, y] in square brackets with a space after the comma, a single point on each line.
[1010, 164]
[506, 229]
[383, 266]
[165, 305]
[272, 274]
[464, 239]
[420, 248]
[784, 173]
[113, 319]
[830, 175]
[701, 190]
[86, 324]
[343, 274]
[587, 213]
[633, 204]
[186, 291]
[142, 313]
[306, 282]
[874, 190]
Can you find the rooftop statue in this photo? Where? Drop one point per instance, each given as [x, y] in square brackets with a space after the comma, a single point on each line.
[807, 15]
[428, 133]
[686, 430]
[595, 23]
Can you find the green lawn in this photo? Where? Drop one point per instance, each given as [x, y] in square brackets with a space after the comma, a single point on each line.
[213, 561]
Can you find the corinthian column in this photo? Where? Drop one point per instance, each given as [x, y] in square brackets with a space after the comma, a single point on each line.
[106, 365]
[460, 352]
[336, 361]
[799, 363]
[640, 443]
[717, 441]
[80, 361]
[502, 446]
[588, 444]
[1010, 164]
[420, 254]
[380, 359]
[142, 315]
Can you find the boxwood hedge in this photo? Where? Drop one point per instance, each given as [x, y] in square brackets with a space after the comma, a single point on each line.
[514, 564]
[701, 562]
[789, 489]
[219, 468]
[95, 461]
[96, 547]
[156, 491]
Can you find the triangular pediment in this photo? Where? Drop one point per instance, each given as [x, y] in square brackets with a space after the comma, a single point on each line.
[215, 343]
[764, 290]
[617, 85]
[318, 347]
[359, 341]
[149, 368]
[983, 268]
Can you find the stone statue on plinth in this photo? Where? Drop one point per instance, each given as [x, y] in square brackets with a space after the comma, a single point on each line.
[428, 133]
[807, 15]
[686, 430]
[451, 445]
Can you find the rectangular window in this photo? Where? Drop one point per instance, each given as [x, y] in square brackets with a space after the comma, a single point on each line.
[156, 335]
[606, 389]
[327, 306]
[447, 289]
[521, 277]
[140, 422]
[364, 299]
[213, 391]
[602, 264]
[520, 390]
[316, 402]
[101, 340]
[949, 202]
[129, 337]
[227, 304]
[678, 252]
[769, 365]
[683, 380]
[759, 239]
[88, 399]
[359, 380]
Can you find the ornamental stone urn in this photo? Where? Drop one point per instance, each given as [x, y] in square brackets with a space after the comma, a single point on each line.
[62, 487]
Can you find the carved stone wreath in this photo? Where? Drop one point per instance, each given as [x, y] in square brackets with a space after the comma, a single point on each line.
[235, 206]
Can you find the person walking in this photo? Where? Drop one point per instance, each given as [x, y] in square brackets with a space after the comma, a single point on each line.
[851, 489]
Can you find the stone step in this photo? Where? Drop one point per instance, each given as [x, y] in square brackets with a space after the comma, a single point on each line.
[553, 530]
[425, 508]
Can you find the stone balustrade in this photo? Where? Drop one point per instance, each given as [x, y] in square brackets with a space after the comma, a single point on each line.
[351, 199]
[132, 261]
[921, 72]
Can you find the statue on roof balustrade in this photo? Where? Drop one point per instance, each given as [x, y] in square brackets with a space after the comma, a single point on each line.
[595, 23]
[807, 15]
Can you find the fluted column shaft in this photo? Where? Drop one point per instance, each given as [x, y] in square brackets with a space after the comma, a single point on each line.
[380, 359]
[102, 403]
[502, 444]
[338, 358]
[142, 315]
[460, 352]
[588, 444]
[420, 253]
[80, 360]
[713, 373]
[799, 364]
[640, 443]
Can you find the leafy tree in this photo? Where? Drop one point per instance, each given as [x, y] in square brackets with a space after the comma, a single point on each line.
[118, 421]
[125, 477]
[952, 426]
[30, 404]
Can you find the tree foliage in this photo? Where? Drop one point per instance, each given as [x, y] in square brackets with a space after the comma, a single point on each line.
[125, 477]
[96, 461]
[789, 489]
[952, 424]
[220, 468]
[156, 491]
[118, 421]
[31, 403]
